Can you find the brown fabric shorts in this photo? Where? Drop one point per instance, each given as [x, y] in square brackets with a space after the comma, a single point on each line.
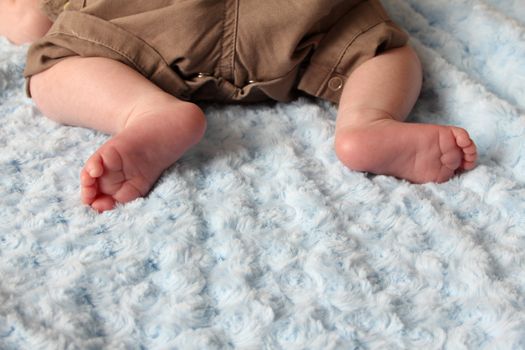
[225, 50]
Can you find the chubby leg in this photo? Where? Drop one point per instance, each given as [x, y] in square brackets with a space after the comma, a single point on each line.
[150, 128]
[22, 21]
[371, 134]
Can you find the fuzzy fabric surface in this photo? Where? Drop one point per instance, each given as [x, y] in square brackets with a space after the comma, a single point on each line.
[259, 238]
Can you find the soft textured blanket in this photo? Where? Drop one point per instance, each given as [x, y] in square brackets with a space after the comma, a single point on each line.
[260, 239]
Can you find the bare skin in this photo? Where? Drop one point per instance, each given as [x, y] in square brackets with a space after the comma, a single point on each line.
[21, 21]
[371, 134]
[151, 129]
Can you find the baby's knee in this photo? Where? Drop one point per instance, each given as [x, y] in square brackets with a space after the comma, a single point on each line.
[40, 88]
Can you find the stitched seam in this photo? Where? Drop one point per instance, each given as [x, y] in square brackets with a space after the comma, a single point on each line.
[115, 49]
[223, 35]
[333, 69]
[345, 50]
[103, 45]
[234, 44]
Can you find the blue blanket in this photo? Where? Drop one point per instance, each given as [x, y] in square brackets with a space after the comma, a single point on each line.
[260, 239]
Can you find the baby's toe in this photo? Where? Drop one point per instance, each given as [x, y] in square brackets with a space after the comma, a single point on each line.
[470, 157]
[462, 137]
[470, 153]
[86, 179]
[471, 149]
[111, 158]
[89, 193]
[466, 165]
[103, 203]
[94, 166]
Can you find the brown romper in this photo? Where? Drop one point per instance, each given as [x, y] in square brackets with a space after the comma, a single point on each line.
[225, 50]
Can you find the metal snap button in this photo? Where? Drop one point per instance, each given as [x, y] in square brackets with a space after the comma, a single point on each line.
[203, 75]
[335, 84]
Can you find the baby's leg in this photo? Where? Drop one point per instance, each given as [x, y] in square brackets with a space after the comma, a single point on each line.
[151, 128]
[371, 135]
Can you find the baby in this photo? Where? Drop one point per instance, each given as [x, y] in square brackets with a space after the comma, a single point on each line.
[135, 68]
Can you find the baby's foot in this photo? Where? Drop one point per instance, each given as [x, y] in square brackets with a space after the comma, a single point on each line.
[418, 153]
[127, 166]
